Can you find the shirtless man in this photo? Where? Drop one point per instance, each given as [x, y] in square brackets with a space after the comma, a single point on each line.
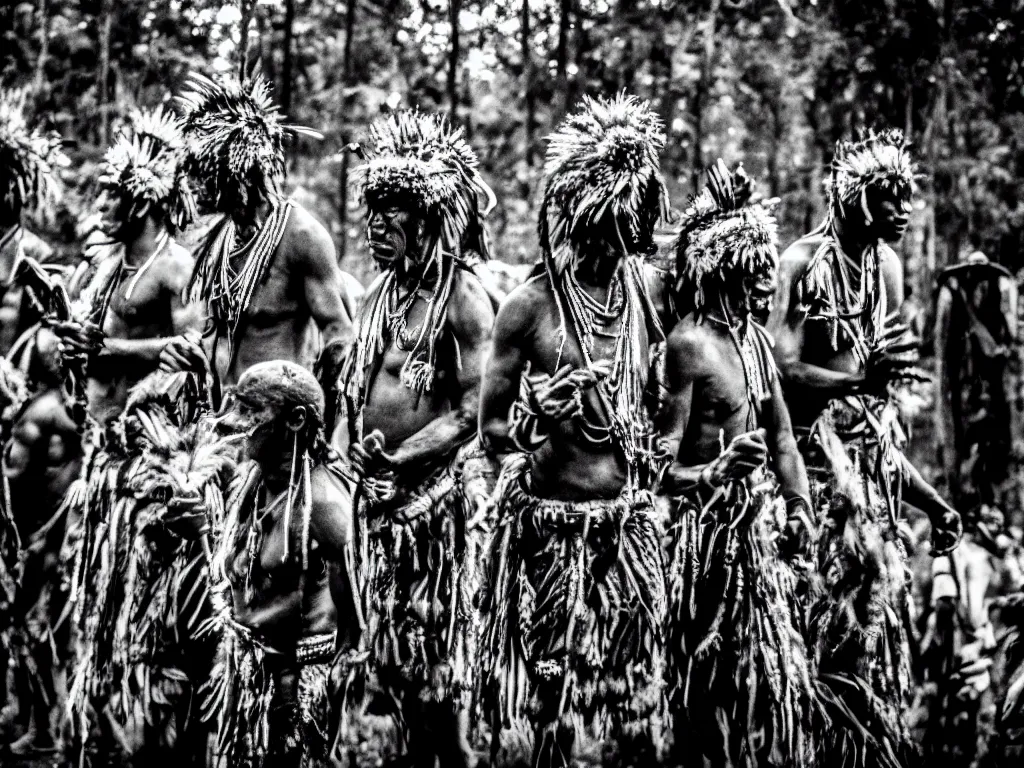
[268, 268]
[727, 428]
[840, 354]
[578, 523]
[135, 292]
[29, 160]
[40, 461]
[412, 393]
[289, 520]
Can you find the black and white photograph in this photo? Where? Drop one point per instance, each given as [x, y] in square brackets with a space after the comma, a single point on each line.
[512, 383]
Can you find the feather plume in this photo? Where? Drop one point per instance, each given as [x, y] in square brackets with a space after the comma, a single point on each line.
[29, 159]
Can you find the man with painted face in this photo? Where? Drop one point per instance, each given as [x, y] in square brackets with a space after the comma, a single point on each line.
[734, 619]
[267, 267]
[579, 597]
[841, 355]
[411, 394]
[135, 292]
[287, 521]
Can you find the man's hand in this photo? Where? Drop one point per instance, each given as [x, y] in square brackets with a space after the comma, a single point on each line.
[369, 457]
[742, 456]
[187, 516]
[894, 359]
[947, 530]
[796, 536]
[77, 338]
[184, 353]
[560, 397]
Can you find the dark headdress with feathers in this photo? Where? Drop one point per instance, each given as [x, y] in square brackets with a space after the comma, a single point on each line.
[28, 159]
[723, 231]
[603, 160]
[145, 167]
[420, 163]
[881, 160]
[236, 138]
[603, 181]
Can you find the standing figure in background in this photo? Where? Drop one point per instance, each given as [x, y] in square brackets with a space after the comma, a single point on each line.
[840, 355]
[578, 610]
[737, 661]
[135, 292]
[29, 162]
[267, 267]
[411, 393]
[973, 348]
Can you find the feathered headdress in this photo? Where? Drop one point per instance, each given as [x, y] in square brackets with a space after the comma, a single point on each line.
[418, 162]
[145, 167]
[236, 138]
[28, 159]
[421, 161]
[723, 231]
[603, 159]
[881, 159]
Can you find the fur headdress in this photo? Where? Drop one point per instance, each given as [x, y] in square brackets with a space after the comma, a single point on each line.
[881, 159]
[236, 138]
[145, 167]
[723, 231]
[420, 161]
[28, 159]
[603, 159]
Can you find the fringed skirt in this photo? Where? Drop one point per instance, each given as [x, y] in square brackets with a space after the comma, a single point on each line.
[858, 608]
[740, 677]
[269, 709]
[424, 578]
[578, 609]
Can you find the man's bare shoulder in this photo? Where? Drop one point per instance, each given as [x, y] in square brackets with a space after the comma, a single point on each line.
[689, 341]
[796, 258]
[524, 304]
[308, 241]
[470, 310]
[175, 266]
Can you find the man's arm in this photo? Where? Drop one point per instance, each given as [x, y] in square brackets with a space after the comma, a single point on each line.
[680, 355]
[503, 371]
[786, 324]
[471, 319]
[316, 263]
[789, 464]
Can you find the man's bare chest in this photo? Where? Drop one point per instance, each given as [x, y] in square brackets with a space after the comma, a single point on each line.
[134, 303]
[274, 296]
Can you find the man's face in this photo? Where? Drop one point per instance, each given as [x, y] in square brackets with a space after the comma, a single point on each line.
[391, 236]
[114, 219]
[256, 420]
[759, 289]
[890, 213]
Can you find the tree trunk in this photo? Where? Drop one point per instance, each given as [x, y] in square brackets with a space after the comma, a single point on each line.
[286, 59]
[704, 86]
[528, 95]
[247, 8]
[454, 8]
[346, 74]
[106, 20]
[562, 61]
[44, 49]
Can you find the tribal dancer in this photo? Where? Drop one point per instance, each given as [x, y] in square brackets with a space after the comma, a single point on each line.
[41, 459]
[579, 603]
[135, 293]
[840, 355]
[29, 160]
[267, 267]
[411, 395]
[288, 519]
[139, 571]
[738, 667]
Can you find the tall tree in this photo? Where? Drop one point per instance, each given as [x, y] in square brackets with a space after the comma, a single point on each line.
[454, 11]
[286, 62]
[346, 77]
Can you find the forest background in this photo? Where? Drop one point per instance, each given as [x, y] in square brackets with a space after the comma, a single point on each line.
[770, 83]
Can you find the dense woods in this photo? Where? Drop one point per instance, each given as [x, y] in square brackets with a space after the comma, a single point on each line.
[772, 83]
